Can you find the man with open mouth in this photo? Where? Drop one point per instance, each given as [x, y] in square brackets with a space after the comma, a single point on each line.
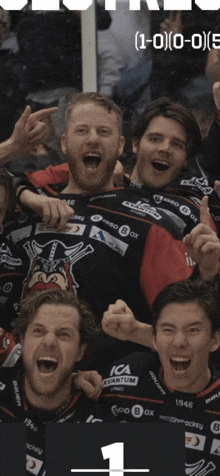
[179, 384]
[54, 328]
[118, 243]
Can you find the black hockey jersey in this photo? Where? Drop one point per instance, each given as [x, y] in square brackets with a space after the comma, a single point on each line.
[14, 408]
[134, 392]
[117, 246]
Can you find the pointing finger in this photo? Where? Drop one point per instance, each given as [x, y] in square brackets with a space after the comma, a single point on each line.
[204, 211]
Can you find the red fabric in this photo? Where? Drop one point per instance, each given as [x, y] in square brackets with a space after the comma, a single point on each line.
[52, 174]
[164, 262]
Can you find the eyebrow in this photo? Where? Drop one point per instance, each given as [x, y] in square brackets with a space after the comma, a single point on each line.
[181, 141]
[36, 324]
[195, 323]
[158, 134]
[66, 327]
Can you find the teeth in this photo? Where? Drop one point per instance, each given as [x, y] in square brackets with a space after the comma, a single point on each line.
[180, 363]
[90, 154]
[47, 365]
[180, 359]
[51, 359]
[161, 162]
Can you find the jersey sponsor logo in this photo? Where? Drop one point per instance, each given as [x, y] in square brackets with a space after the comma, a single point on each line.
[6, 256]
[138, 411]
[123, 380]
[17, 393]
[117, 389]
[20, 234]
[108, 195]
[105, 237]
[70, 229]
[33, 465]
[124, 230]
[215, 448]
[92, 419]
[117, 410]
[185, 210]
[120, 369]
[195, 200]
[195, 441]
[201, 183]
[213, 397]
[96, 218]
[37, 450]
[200, 468]
[157, 383]
[65, 418]
[191, 424]
[215, 427]
[159, 199]
[79, 217]
[7, 287]
[144, 208]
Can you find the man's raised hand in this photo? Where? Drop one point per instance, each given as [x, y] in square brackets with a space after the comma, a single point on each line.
[202, 244]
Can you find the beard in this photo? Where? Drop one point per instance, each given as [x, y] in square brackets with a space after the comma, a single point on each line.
[89, 183]
[39, 389]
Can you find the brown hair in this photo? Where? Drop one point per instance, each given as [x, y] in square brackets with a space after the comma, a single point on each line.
[99, 100]
[30, 306]
[186, 291]
[171, 110]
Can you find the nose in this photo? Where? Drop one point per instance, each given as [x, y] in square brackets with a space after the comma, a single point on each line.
[49, 339]
[164, 146]
[92, 136]
[180, 339]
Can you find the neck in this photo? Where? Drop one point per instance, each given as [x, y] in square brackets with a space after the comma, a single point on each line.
[47, 401]
[135, 177]
[73, 188]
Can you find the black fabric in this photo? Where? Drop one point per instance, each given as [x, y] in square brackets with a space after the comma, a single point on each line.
[15, 408]
[134, 392]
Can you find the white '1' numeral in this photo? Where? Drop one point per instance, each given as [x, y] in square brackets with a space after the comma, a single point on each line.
[115, 454]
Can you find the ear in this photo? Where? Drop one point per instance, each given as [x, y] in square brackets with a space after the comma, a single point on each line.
[135, 145]
[215, 341]
[63, 143]
[81, 352]
[121, 145]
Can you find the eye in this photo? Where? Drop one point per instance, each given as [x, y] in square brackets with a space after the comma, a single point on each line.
[167, 330]
[179, 145]
[81, 130]
[38, 331]
[104, 132]
[154, 139]
[193, 330]
[64, 334]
